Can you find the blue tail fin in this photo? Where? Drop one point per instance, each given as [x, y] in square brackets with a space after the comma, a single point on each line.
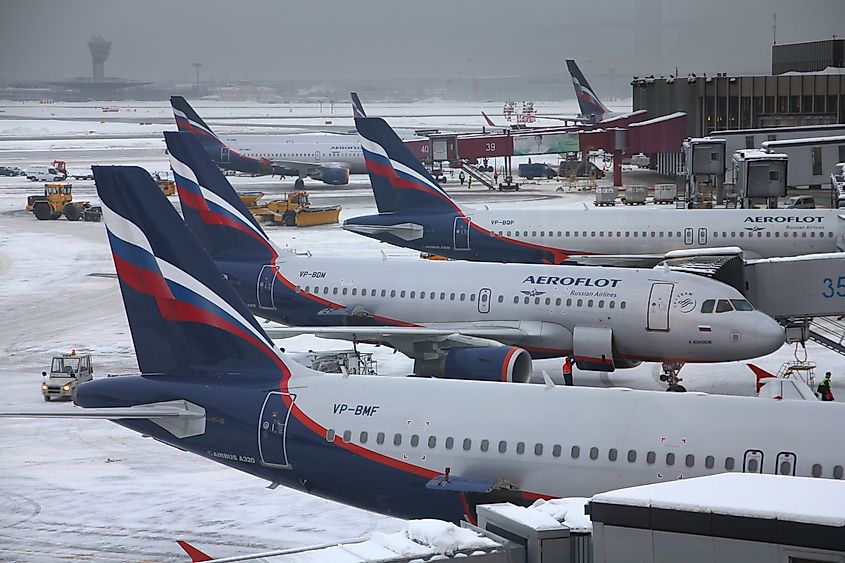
[189, 121]
[589, 103]
[399, 181]
[357, 107]
[210, 206]
[184, 316]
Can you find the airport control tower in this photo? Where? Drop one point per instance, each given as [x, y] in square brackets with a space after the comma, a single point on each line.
[99, 48]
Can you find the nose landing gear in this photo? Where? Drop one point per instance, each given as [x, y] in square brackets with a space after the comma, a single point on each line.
[670, 376]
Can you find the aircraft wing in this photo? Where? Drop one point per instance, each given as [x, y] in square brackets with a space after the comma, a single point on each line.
[708, 258]
[180, 418]
[306, 168]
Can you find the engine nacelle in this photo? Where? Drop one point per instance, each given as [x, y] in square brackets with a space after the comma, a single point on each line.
[335, 175]
[493, 363]
[626, 364]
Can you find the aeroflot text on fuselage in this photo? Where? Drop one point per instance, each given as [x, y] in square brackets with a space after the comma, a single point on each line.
[585, 282]
[782, 219]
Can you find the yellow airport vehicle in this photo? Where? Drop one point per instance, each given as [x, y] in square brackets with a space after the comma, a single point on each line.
[57, 200]
[293, 211]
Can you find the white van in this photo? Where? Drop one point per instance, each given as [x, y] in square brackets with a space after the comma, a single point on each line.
[44, 173]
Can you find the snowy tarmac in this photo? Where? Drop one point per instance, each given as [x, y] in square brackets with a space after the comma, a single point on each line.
[94, 491]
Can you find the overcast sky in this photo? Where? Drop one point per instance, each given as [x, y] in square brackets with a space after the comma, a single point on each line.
[274, 40]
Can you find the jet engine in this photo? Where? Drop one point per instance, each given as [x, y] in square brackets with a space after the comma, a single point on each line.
[493, 363]
[334, 175]
[625, 364]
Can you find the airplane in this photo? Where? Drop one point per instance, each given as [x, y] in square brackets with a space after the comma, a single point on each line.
[592, 108]
[212, 383]
[458, 318]
[327, 157]
[415, 212]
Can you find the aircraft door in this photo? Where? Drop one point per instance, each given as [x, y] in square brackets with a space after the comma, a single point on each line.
[658, 306]
[272, 429]
[461, 233]
[688, 235]
[266, 279]
[752, 462]
[224, 155]
[702, 236]
[484, 298]
[785, 464]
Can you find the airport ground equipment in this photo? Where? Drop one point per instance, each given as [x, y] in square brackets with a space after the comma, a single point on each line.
[759, 175]
[293, 211]
[665, 193]
[56, 201]
[606, 195]
[705, 170]
[66, 372]
[165, 183]
[481, 176]
[529, 171]
[350, 362]
[635, 195]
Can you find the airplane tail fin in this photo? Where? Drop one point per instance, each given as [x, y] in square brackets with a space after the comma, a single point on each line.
[399, 180]
[189, 121]
[210, 206]
[590, 104]
[357, 107]
[183, 315]
[760, 374]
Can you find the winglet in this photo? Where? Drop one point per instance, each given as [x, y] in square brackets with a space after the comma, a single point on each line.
[488, 120]
[195, 554]
[357, 107]
[760, 374]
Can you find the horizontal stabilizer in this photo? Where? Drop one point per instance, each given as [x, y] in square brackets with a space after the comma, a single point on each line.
[405, 231]
[460, 484]
[385, 332]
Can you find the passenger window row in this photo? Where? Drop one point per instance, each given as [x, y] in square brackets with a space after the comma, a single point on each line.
[655, 234]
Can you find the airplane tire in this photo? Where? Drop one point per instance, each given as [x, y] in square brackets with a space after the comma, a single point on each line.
[677, 389]
[299, 183]
[42, 211]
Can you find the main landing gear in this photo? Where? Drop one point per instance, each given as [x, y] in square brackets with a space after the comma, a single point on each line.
[670, 375]
[299, 183]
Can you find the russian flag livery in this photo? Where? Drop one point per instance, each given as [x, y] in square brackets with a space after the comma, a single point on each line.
[398, 179]
[209, 203]
[189, 121]
[185, 317]
[589, 103]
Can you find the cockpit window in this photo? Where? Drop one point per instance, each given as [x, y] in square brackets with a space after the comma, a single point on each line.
[742, 305]
[707, 306]
[723, 306]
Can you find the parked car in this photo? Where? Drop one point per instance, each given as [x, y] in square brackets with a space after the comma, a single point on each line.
[45, 173]
[566, 168]
[10, 171]
[800, 202]
[530, 171]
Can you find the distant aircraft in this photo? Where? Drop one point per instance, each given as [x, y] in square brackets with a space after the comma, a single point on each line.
[452, 317]
[212, 383]
[326, 157]
[417, 213]
[592, 108]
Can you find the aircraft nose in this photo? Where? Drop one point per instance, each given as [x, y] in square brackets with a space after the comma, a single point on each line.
[768, 335]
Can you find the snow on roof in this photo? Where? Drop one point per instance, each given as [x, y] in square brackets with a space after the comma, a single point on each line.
[803, 257]
[750, 495]
[660, 119]
[827, 70]
[547, 514]
[805, 141]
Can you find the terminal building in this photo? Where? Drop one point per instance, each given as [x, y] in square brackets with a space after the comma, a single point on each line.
[807, 87]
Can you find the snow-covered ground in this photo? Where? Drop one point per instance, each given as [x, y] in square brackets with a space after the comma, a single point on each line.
[95, 491]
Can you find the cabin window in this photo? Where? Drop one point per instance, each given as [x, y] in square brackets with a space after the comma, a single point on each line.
[689, 460]
[330, 435]
[590, 303]
[451, 297]
[601, 304]
[380, 438]
[520, 448]
[393, 293]
[413, 294]
[558, 301]
[594, 453]
[422, 294]
[354, 291]
[326, 290]
[384, 293]
[536, 300]
[632, 456]
[415, 440]
[575, 452]
[501, 299]
[612, 454]
[650, 457]
[556, 450]
[432, 295]
[569, 302]
[837, 472]
[612, 304]
[485, 445]
[538, 449]
[567, 233]
[307, 289]
[450, 443]
[516, 300]
[463, 296]
[579, 302]
[542, 233]
[432, 441]
[397, 439]
[345, 290]
[533, 233]
[707, 306]
[467, 444]
[652, 234]
[709, 462]
[363, 292]
[670, 459]
[347, 436]
[729, 463]
[363, 438]
[442, 296]
[526, 300]
[817, 470]
[548, 300]
[622, 305]
[316, 290]
[472, 297]
[558, 234]
[503, 447]
[601, 234]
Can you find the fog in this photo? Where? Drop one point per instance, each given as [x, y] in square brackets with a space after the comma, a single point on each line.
[157, 40]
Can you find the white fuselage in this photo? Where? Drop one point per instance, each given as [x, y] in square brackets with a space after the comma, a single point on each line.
[305, 148]
[652, 313]
[761, 233]
[566, 441]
